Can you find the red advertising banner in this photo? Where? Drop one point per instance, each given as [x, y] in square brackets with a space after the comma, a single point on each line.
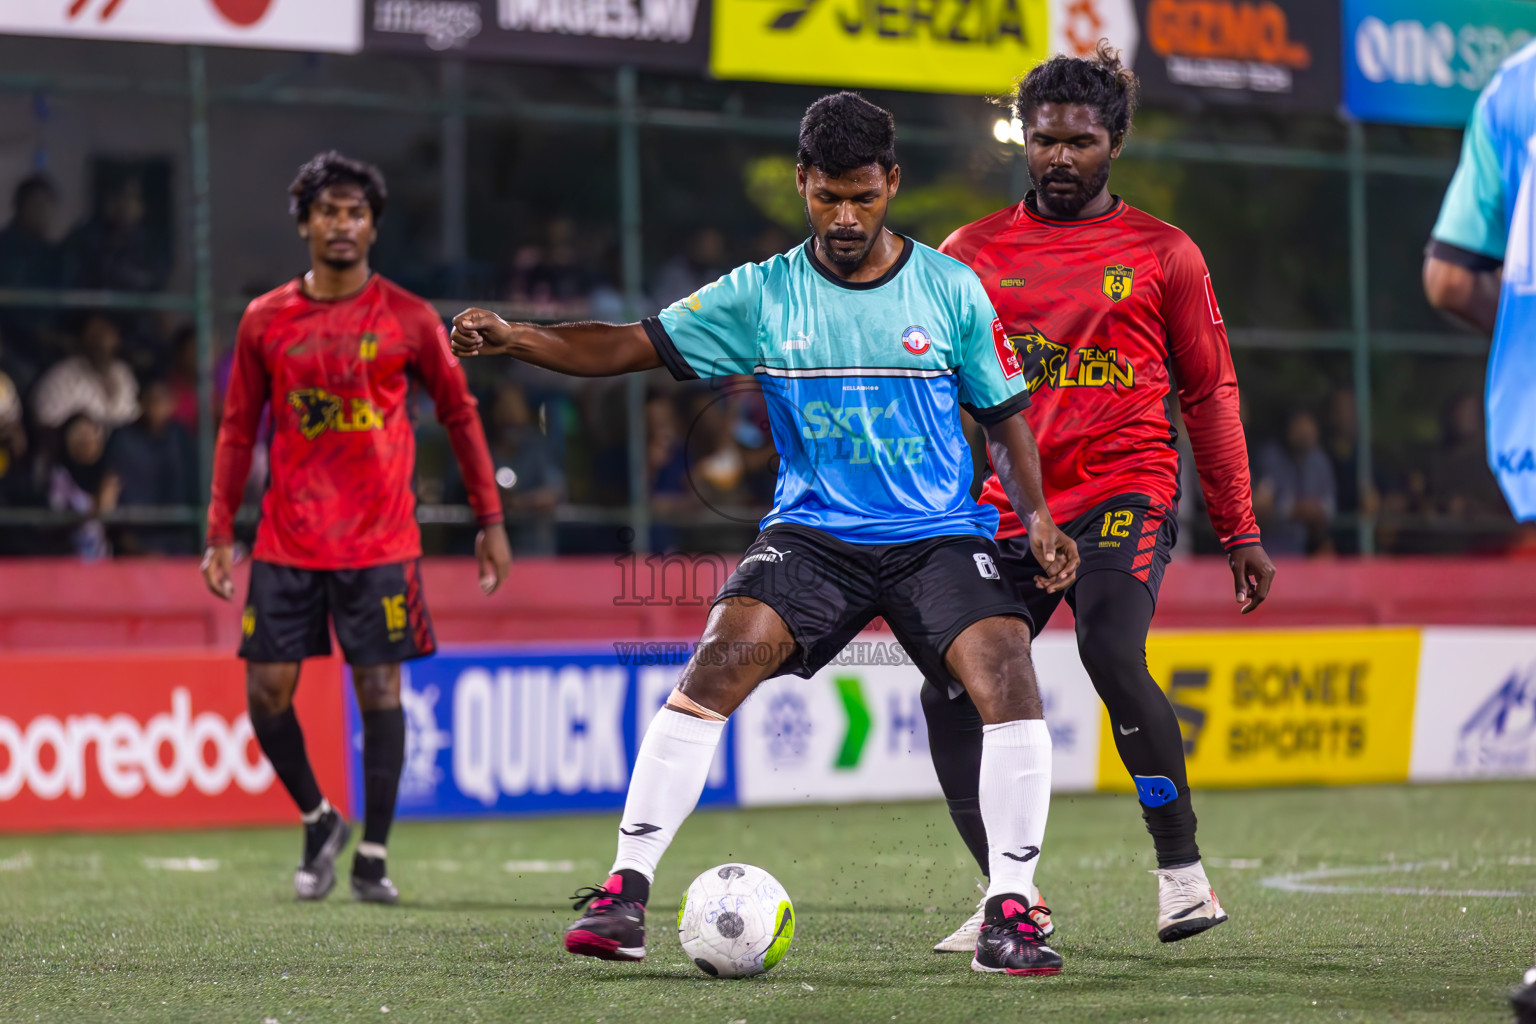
[136, 740]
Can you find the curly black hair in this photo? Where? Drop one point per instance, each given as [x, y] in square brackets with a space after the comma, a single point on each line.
[1100, 82]
[844, 131]
[331, 168]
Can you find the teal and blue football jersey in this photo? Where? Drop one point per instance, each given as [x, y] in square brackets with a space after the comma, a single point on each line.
[1488, 219]
[864, 384]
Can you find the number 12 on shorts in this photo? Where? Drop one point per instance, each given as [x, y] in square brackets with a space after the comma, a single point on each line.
[1117, 524]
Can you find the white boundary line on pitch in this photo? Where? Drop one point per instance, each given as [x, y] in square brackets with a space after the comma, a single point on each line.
[180, 864]
[544, 867]
[1311, 882]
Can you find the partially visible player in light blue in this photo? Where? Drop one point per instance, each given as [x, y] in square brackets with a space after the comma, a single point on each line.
[867, 345]
[864, 382]
[1481, 265]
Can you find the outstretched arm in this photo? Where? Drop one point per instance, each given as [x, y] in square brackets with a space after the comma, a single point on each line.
[1016, 458]
[581, 350]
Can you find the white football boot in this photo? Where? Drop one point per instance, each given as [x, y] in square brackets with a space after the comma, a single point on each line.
[1186, 903]
[963, 939]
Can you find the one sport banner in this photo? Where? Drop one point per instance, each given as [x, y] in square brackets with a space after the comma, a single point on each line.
[130, 740]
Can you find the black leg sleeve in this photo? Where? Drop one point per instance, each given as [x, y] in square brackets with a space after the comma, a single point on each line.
[383, 757]
[1114, 611]
[954, 741]
[281, 739]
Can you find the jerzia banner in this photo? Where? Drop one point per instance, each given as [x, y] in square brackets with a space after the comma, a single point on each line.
[663, 35]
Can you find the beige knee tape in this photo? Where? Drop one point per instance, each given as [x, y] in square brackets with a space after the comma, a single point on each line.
[680, 700]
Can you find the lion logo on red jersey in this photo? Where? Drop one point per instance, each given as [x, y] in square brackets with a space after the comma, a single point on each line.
[317, 410]
[1042, 358]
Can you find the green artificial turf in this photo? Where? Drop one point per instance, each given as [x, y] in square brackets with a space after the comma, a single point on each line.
[107, 928]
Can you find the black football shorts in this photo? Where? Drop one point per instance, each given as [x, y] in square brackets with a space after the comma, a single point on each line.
[379, 612]
[827, 590]
[1127, 533]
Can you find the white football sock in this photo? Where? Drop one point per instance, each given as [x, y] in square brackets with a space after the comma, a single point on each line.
[1015, 798]
[670, 772]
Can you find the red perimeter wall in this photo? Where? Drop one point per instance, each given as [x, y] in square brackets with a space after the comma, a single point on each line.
[162, 603]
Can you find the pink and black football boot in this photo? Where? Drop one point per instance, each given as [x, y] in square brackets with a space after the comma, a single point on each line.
[613, 927]
[1011, 942]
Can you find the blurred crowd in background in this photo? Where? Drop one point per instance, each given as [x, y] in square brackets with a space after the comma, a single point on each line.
[99, 412]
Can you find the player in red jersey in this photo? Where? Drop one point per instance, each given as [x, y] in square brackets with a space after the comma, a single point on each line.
[1108, 309]
[334, 353]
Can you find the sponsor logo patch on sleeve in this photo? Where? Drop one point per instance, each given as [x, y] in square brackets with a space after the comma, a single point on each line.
[1006, 356]
[1210, 300]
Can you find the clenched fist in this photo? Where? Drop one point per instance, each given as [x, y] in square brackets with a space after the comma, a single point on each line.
[479, 332]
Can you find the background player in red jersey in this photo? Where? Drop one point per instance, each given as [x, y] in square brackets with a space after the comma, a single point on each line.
[335, 352]
[1108, 309]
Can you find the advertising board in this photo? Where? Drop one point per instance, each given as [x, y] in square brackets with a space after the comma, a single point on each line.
[666, 35]
[313, 25]
[855, 731]
[1280, 54]
[134, 740]
[1425, 61]
[1284, 707]
[504, 730]
[1476, 714]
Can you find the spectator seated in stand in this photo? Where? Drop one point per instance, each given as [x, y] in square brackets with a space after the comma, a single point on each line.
[114, 249]
[702, 261]
[181, 378]
[1294, 494]
[29, 258]
[79, 482]
[552, 278]
[17, 487]
[1458, 482]
[530, 472]
[95, 383]
[155, 462]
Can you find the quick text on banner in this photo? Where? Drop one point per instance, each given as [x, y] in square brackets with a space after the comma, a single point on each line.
[538, 730]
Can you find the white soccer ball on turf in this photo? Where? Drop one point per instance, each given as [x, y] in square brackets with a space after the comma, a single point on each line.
[735, 921]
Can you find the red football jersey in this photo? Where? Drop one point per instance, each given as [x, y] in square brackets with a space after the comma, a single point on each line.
[1098, 311]
[338, 375]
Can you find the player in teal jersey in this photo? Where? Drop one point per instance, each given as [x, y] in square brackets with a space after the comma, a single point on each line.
[867, 345]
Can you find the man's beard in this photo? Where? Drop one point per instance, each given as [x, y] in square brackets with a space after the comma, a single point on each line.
[338, 263]
[1072, 205]
[843, 260]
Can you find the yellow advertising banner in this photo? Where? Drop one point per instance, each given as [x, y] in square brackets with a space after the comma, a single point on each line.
[1282, 708]
[962, 46]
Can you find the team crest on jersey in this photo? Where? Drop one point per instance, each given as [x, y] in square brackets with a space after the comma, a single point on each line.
[368, 347]
[915, 340]
[1117, 282]
[319, 411]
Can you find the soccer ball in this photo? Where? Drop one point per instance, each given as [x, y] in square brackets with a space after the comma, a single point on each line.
[735, 921]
